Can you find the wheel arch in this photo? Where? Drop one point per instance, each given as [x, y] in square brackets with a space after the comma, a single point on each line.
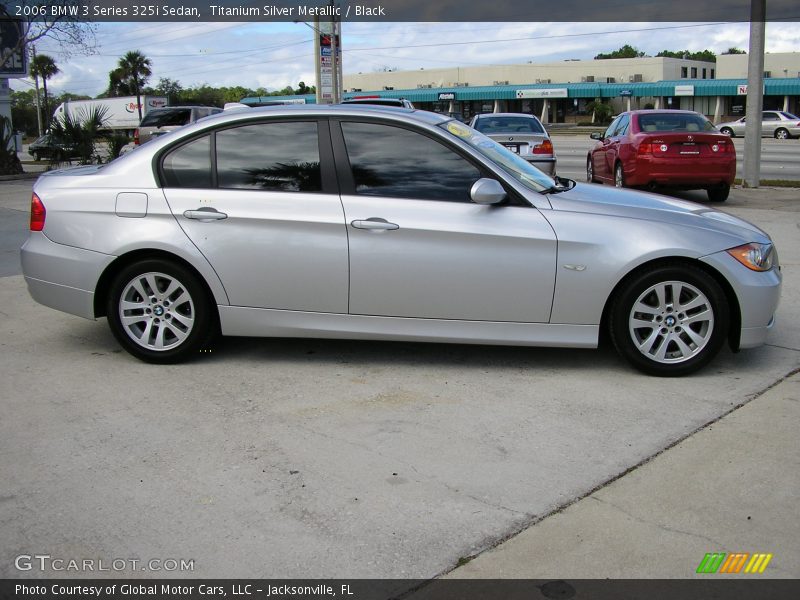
[104, 282]
[735, 326]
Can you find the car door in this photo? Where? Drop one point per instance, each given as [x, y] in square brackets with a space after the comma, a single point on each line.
[769, 123]
[260, 202]
[599, 154]
[420, 248]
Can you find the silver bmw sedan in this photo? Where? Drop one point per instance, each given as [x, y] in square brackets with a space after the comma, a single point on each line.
[388, 224]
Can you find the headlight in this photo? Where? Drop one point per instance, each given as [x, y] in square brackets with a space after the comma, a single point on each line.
[756, 257]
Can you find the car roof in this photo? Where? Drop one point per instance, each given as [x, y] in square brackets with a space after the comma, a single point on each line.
[668, 111]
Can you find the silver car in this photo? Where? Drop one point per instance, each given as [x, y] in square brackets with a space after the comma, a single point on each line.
[774, 123]
[374, 223]
[522, 134]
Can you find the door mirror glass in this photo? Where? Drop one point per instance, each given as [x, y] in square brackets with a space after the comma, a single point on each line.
[487, 191]
[596, 136]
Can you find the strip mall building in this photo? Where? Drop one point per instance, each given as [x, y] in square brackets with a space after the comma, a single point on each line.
[558, 92]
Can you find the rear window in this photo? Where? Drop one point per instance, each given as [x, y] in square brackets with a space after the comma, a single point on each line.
[790, 116]
[490, 125]
[163, 117]
[376, 101]
[665, 122]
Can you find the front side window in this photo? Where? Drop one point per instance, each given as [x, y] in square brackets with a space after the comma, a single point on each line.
[395, 162]
[189, 165]
[278, 157]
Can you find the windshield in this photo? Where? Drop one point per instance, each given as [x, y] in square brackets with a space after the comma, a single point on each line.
[167, 116]
[511, 163]
[679, 122]
[508, 125]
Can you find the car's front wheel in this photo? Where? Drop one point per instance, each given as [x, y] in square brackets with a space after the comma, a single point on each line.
[590, 171]
[619, 176]
[669, 320]
[782, 134]
[36, 156]
[159, 312]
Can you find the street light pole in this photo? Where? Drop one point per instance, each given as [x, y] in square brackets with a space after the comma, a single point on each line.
[755, 95]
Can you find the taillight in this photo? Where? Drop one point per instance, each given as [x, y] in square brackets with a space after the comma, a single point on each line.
[648, 148]
[136, 136]
[722, 147]
[546, 147]
[38, 213]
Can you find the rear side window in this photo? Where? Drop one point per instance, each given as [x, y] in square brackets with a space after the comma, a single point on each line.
[167, 117]
[395, 162]
[189, 165]
[281, 157]
[678, 122]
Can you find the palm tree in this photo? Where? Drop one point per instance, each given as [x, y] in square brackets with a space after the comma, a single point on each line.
[45, 67]
[135, 67]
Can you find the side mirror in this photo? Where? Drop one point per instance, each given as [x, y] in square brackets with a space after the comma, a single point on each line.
[487, 191]
[596, 136]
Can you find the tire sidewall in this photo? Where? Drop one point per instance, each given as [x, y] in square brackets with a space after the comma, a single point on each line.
[204, 327]
[629, 293]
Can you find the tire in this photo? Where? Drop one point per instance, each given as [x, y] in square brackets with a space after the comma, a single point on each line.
[719, 194]
[36, 156]
[658, 337]
[590, 171]
[619, 176]
[782, 134]
[727, 131]
[160, 312]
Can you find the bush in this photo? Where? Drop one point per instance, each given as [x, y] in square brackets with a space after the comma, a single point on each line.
[9, 161]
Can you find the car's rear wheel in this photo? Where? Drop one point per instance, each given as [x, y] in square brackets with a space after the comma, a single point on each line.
[159, 312]
[619, 176]
[590, 171]
[669, 320]
[782, 134]
[719, 194]
[36, 156]
[727, 131]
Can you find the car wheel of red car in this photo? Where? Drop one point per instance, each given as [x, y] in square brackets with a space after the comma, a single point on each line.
[719, 194]
[590, 171]
[619, 176]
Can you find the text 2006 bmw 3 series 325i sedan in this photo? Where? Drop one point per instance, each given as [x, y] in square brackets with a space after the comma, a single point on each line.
[387, 224]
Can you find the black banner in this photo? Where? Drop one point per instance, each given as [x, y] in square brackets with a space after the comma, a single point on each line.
[400, 589]
[397, 10]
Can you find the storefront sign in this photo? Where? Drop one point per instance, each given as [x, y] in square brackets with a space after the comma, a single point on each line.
[547, 93]
[741, 90]
[447, 96]
[684, 90]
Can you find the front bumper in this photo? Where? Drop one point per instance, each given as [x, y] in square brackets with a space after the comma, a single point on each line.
[62, 277]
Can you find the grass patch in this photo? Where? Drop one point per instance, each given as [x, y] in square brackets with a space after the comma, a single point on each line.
[782, 183]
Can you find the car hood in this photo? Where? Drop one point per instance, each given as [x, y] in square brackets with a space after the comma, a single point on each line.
[605, 200]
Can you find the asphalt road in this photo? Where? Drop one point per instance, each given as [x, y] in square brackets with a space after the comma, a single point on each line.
[780, 159]
[314, 458]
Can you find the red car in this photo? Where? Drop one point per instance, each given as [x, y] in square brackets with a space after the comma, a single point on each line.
[672, 148]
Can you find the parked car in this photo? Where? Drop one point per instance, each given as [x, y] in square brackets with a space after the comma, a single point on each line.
[379, 101]
[49, 146]
[374, 223]
[672, 148]
[160, 121]
[774, 123]
[522, 134]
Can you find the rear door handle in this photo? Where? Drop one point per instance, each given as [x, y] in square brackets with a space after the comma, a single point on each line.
[375, 224]
[205, 213]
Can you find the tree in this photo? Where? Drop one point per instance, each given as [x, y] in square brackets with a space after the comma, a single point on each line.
[734, 50]
[81, 132]
[627, 51]
[601, 112]
[170, 88]
[45, 67]
[70, 34]
[134, 68]
[706, 55]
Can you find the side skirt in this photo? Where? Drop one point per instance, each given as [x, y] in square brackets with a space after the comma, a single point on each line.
[260, 322]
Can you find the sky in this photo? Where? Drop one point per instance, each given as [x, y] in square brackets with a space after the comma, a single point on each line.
[274, 55]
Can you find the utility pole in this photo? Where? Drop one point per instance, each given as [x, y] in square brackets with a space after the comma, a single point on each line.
[755, 95]
[38, 101]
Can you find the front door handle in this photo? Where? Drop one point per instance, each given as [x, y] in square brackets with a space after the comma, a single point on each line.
[205, 213]
[375, 224]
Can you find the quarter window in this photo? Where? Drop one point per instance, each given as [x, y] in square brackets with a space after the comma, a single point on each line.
[189, 165]
[279, 157]
[395, 162]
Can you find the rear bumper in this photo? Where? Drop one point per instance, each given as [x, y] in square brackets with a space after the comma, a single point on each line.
[710, 173]
[546, 165]
[62, 277]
